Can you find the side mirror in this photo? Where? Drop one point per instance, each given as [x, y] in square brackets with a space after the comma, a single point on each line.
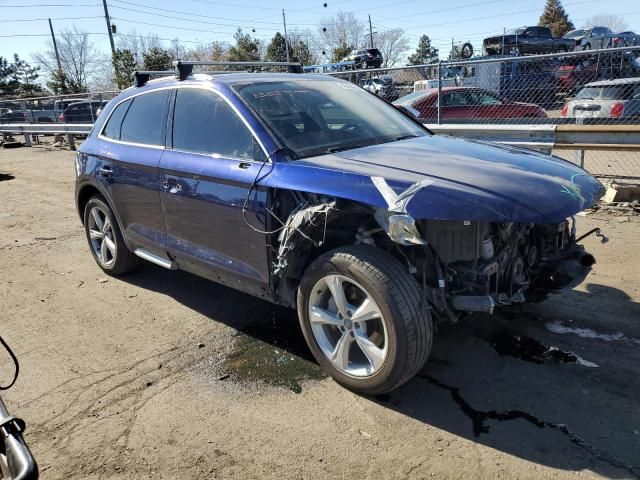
[16, 461]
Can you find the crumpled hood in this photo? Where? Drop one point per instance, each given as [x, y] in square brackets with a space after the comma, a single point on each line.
[466, 180]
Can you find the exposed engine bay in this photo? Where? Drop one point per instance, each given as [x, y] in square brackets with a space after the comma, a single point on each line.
[463, 266]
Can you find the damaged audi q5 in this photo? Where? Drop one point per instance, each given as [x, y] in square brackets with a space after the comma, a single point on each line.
[312, 193]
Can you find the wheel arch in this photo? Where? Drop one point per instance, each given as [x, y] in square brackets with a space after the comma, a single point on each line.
[88, 189]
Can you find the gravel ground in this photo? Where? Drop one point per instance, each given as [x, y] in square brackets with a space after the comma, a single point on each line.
[160, 374]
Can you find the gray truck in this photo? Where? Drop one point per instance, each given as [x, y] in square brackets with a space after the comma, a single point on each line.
[527, 40]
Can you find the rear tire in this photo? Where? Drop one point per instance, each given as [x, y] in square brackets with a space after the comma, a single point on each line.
[105, 239]
[373, 353]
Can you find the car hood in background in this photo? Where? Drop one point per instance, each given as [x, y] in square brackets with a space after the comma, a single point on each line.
[465, 180]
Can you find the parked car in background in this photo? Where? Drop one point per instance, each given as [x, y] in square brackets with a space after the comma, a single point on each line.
[382, 86]
[459, 103]
[591, 38]
[574, 73]
[28, 116]
[618, 98]
[82, 112]
[626, 39]
[527, 40]
[311, 193]
[365, 58]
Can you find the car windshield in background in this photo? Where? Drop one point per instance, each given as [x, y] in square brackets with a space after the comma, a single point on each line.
[576, 34]
[315, 117]
[516, 31]
[611, 92]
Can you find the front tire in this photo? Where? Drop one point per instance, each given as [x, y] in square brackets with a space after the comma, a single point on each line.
[105, 239]
[365, 319]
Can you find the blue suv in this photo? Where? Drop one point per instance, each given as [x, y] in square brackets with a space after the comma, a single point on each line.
[310, 192]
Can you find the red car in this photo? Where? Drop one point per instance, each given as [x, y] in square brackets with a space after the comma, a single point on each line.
[573, 75]
[465, 102]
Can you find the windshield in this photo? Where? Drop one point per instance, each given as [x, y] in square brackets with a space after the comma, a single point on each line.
[576, 34]
[611, 92]
[315, 117]
[516, 31]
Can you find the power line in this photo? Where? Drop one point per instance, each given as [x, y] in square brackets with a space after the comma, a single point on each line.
[51, 5]
[172, 27]
[237, 5]
[11, 20]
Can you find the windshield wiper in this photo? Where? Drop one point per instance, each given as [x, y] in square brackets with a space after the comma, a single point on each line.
[341, 148]
[404, 137]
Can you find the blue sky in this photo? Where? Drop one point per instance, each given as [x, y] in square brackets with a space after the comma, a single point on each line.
[459, 19]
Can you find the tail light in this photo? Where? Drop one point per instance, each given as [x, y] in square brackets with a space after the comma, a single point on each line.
[617, 109]
[61, 117]
[617, 40]
[565, 110]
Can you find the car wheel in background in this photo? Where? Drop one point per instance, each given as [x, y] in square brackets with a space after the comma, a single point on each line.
[105, 239]
[365, 64]
[364, 318]
[587, 46]
[514, 50]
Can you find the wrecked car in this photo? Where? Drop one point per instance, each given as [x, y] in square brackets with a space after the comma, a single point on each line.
[309, 192]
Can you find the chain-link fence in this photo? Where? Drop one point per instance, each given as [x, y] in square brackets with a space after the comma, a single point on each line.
[81, 108]
[599, 87]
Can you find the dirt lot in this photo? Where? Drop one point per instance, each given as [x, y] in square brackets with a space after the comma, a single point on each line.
[163, 375]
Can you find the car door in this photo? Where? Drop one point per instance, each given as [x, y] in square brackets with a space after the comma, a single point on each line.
[134, 137]
[208, 170]
[455, 105]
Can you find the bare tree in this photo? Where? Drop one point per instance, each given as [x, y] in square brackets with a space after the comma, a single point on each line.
[614, 22]
[214, 52]
[341, 31]
[79, 58]
[392, 44]
[138, 44]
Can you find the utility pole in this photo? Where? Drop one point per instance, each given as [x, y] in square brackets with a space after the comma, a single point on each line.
[370, 32]
[106, 17]
[286, 41]
[55, 46]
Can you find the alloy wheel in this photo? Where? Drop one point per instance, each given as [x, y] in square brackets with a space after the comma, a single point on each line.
[348, 326]
[101, 237]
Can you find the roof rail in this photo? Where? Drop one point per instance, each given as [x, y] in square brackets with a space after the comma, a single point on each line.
[185, 68]
[140, 78]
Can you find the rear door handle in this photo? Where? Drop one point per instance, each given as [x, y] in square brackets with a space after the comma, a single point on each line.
[172, 186]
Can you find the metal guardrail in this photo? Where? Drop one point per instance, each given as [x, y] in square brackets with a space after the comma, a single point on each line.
[549, 137]
[29, 130]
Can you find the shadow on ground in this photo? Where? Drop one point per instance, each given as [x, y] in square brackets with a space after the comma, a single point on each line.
[6, 176]
[511, 382]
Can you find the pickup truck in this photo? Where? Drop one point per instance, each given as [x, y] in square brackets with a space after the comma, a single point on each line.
[527, 40]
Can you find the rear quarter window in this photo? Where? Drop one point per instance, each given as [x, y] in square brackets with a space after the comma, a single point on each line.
[112, 128]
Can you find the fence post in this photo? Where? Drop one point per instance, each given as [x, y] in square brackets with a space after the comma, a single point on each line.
[71, 141]
[439, 89]
[27, 139]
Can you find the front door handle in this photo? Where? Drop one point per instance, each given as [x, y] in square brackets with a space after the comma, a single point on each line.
[105, 171]
[244, 165]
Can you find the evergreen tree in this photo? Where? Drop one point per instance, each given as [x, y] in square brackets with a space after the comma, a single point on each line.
[277, 49]
[302, 54]
[555, 17]
[25, 76]
[60, 84]
[124, 65]
[246, 49]
[157, 59]
[8, 83]
[425, 53]
[341, 51]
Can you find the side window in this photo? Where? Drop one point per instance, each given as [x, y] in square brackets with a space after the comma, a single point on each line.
[112, 128]
[204, 123]
[145, 121]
